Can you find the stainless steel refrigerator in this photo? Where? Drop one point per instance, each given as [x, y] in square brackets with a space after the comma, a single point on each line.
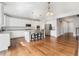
[48, 28]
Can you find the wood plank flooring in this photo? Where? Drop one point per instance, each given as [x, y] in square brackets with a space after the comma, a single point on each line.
[49, 46]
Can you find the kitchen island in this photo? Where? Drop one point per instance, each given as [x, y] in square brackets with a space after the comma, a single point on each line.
[28, 34]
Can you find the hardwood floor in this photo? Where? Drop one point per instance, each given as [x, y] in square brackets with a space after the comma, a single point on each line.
[46, 47]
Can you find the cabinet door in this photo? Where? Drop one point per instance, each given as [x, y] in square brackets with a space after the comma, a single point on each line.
[4, 41]
[27, 36]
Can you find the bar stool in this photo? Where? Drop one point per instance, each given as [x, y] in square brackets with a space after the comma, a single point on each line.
[42, 35]
[32, 37]
[36, 36]
[39, 36]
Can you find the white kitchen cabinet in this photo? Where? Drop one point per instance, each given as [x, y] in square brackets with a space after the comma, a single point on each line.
[4, 41]
[27, 36]
[17, 33]
[53, 33]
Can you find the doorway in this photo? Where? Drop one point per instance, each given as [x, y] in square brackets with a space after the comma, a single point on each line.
[65, 28]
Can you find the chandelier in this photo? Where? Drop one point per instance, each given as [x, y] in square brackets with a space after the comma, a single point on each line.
[49, 12]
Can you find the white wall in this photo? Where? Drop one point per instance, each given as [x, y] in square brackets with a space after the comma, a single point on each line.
[21, 22]
[1, 14]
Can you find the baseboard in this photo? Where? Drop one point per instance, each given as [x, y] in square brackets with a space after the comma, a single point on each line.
[17, 38]
[70, 33]
[47, 35]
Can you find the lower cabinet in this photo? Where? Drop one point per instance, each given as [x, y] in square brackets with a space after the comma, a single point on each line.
[27, 36]
[4, 41]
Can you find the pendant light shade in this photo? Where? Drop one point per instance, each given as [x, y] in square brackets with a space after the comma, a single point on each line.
[49, 12]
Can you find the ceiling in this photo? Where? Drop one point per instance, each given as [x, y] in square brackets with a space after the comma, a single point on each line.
[33, 10]
[38, 10]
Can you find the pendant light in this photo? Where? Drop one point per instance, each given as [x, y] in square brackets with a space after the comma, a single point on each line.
[49, 12]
